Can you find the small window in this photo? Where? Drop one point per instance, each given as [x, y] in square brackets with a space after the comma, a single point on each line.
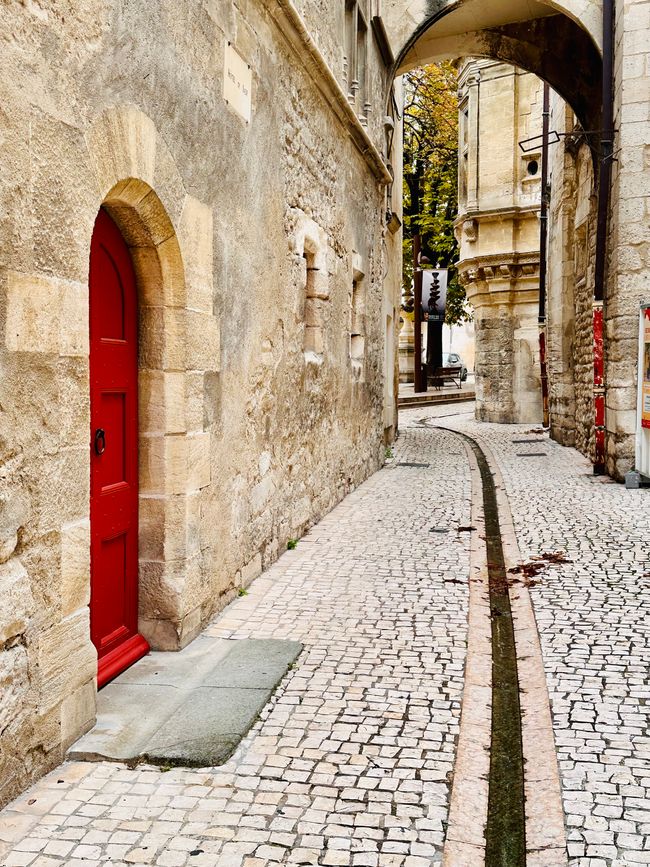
[357, 336]
[313, 344]
[530, 170]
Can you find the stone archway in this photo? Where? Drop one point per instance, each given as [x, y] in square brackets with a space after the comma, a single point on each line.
[558, 42]
[171, 249]
[406, 28]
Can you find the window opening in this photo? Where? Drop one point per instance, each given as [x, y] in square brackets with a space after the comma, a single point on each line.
[357, 331]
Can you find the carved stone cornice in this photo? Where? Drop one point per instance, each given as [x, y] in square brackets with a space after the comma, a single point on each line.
[515, 212]
[499, 266]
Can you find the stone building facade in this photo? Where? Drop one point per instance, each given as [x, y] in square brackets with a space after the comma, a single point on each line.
[242, 156]
[498, 234]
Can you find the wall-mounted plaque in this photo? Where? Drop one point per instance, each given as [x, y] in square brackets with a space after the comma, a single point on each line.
[237, 83]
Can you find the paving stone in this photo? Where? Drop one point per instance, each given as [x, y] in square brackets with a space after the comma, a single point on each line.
[190, 709]
[351, 759]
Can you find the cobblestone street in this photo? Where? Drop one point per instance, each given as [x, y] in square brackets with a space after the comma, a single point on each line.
[353, 760]
[593, 615]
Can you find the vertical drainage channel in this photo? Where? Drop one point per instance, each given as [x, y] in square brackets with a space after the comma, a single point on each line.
[505, 833]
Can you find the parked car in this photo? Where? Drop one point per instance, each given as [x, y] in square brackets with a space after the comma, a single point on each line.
[453, 359]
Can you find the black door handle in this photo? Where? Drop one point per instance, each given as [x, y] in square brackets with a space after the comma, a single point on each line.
[100, 437]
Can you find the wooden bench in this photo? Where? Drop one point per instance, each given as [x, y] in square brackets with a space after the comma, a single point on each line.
[440, 374]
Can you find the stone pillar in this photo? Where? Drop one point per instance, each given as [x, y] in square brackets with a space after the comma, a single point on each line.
[473, 142]
[498, 235]
[505, 302]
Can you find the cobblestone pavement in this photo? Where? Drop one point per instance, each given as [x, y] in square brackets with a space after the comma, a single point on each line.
[351, 762]
[593, 616]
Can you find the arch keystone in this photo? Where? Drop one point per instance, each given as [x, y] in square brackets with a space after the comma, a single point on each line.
[122, 144]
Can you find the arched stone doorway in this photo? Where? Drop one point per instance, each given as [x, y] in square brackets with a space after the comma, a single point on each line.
[169, 236]
[168, 475]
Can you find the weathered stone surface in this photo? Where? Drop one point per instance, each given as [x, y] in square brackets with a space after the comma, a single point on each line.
[122, 144]
[570, 291]
[17, 601]
[75, 566]
[78, 713]
[66, 659]
[196, 239]
[13, 511]
[33, 313]
[162, 401]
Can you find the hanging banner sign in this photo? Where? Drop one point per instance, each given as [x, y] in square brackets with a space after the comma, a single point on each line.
[434, 294]
[645, 381]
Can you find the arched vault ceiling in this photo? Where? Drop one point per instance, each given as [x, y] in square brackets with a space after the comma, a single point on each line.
[409, 22]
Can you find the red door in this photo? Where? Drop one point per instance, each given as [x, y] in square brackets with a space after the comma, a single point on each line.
[113, 453]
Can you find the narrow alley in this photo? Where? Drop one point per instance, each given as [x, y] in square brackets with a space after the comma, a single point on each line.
[354, 759]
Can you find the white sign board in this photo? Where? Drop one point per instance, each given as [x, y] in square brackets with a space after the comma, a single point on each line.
[237, 83]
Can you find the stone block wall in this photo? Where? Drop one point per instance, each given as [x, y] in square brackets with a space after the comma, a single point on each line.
[570, 285]
[246, 438]
[628, 277]
[572, 256]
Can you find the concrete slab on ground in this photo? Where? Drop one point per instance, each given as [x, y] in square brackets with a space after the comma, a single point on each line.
[190, 708]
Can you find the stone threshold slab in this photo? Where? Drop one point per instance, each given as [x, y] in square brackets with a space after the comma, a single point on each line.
[190, 708]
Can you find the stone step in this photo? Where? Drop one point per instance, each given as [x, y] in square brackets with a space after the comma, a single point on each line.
[190, 708]
[435, 398]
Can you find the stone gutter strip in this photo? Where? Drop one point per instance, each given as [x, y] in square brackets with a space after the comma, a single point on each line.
[298, 37]
[465, 840]
[545, 829]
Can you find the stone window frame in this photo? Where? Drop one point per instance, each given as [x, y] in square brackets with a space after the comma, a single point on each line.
[310, 248]
[357, 314]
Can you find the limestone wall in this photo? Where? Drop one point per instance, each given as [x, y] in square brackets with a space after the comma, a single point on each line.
[570, 285]
[628, 278]
[572, 256]
[256, 416]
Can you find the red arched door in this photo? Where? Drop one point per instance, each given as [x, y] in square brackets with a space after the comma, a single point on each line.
[113, 453]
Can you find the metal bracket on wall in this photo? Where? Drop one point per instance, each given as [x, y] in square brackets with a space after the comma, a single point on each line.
[529, 145]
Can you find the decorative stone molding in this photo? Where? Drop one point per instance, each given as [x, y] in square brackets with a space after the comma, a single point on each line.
[470, 230]
[292, 27]
[471, 271]
[495, 215]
